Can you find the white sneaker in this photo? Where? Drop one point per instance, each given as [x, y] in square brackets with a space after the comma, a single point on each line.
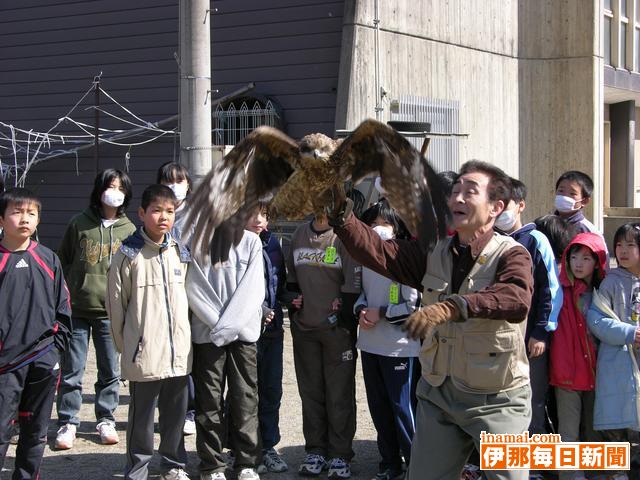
[339, 468]
[65, 437]
[189, 427]
[248, 474]
[108, 434]
[213, 476]
[175, 474]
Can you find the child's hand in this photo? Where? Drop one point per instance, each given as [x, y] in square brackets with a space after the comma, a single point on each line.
[269, 317]
[373, 315]
[297, 302]
[535, 347]
[363, 322]
[335, 305]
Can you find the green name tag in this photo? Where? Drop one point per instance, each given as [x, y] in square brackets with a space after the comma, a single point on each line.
[330, 255]
[394, 293]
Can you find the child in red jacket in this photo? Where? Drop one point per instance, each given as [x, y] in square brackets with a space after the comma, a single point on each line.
[573, 350]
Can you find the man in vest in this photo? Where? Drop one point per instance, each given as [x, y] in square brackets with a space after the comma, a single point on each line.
[476, 288]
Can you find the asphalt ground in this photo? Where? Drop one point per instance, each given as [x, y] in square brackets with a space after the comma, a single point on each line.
[90, 460]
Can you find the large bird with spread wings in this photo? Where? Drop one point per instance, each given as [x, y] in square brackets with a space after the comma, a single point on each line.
[304, 177]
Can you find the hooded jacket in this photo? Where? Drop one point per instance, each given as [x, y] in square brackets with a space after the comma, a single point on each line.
[573, 350]
[85, 254]
[613, 320]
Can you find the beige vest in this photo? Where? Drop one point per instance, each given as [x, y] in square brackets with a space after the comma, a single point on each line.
[480, 355]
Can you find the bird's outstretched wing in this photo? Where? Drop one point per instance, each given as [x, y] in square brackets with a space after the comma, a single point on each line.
[221, 205]
[412, 186]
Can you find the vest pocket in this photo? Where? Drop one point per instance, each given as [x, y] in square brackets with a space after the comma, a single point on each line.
[428, 354]
[488, 360]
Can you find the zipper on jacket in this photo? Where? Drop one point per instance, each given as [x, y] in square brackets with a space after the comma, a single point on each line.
[138, 349]
[169, 316]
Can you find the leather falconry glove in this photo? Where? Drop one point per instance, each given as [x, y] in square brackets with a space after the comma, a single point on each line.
[339, 207]
[421, 321]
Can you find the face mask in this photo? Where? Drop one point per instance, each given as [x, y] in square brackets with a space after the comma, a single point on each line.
[112, 197]
[506, 220]
[565, 204]
[385, 233]
[179, 190]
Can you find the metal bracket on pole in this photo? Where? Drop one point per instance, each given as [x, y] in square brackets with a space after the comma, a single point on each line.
[209, 92]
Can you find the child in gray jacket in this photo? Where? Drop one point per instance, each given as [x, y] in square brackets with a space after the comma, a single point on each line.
[226, 302]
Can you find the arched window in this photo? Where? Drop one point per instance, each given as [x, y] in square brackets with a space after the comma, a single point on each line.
[234, 120]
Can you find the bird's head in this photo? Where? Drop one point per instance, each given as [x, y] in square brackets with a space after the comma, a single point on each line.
[317, 147]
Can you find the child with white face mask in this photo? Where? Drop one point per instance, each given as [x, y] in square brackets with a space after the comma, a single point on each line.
[546, 301]
[176, 176]
[389, 359]
[573, 193]
[90, 241]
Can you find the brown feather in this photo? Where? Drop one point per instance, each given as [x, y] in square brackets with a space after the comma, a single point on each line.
[302, 175]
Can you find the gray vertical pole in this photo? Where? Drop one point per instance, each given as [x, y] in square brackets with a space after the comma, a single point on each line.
[195, 87]
[96, 132]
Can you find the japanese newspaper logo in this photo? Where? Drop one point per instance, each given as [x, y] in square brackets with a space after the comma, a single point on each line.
[548, 452]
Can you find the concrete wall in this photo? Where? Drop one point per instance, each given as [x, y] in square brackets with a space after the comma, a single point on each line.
[526, 73]
[435, 49]
[560, 88]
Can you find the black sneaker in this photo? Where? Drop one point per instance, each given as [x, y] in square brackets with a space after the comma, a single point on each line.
[389, 474]
[312, 466]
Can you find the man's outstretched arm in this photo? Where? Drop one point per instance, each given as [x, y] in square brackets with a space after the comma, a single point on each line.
[401, 260]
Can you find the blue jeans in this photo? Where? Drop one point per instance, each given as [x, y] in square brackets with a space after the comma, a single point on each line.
[269, 389]
[108, 385]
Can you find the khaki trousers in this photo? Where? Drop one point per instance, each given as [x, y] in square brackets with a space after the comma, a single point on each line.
[448, 426]
[325, 362]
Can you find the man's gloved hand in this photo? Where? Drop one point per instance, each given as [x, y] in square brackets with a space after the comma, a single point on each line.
[339, 207]
[421, 321]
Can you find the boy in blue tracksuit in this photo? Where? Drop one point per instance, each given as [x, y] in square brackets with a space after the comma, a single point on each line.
[545, 303]
[270, 343]
[35, 327]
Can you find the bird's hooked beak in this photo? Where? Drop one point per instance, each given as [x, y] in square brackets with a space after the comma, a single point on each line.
[311, 154]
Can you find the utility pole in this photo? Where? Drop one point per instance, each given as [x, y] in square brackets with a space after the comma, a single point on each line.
[195, 87]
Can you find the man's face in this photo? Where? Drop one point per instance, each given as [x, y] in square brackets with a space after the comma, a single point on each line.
[469, 203]
[20, 220]
[158, 218]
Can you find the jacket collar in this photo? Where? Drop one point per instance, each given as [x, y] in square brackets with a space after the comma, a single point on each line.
[132, 246]
[476, 246]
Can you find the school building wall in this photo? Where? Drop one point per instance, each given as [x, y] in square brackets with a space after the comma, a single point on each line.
[527, 76]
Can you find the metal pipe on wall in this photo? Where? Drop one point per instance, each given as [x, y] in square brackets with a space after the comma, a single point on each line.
[376, 47]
